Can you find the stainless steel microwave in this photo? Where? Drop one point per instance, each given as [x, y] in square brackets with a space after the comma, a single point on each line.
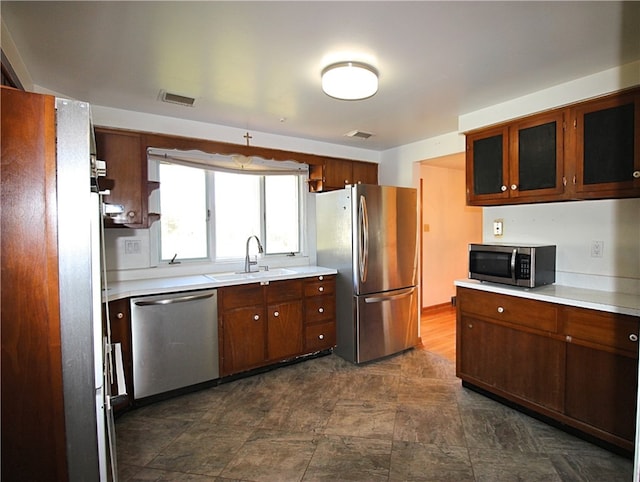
[517, 265]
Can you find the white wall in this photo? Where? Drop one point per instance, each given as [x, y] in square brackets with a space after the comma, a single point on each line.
[398, 166]
[125, 119]
[572, 227]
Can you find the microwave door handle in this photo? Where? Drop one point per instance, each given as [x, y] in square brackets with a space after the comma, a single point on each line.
[513, 265]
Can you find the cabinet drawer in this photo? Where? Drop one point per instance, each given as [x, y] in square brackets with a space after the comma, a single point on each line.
[320, 336]
[608, 329]
[284, 290]
[322, 285]
[320, 308]
[520, 311]
[241, 295]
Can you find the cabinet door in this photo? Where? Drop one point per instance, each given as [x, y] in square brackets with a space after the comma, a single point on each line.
[536, 157]
[601, 389]
[123, 154]
[520, 364]
[487, 166]
[364, 172]
[243, 339]
[608, 146]
[284, 330]
[119, 313]
[338, 173]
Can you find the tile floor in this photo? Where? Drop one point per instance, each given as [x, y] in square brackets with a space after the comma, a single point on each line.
[400, 419]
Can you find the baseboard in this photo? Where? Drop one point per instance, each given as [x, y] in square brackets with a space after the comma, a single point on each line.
[428, 310]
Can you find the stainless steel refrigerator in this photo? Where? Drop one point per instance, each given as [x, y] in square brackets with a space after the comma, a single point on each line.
[86, 357]
[369, 234]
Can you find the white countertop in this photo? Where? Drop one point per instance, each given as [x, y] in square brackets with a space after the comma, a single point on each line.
[624, 303]
[125, 289]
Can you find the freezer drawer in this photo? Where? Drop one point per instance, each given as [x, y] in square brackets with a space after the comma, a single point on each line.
[174, 341]
[386, 323]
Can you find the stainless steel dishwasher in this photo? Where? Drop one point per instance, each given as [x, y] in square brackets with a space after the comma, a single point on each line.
[174, 341]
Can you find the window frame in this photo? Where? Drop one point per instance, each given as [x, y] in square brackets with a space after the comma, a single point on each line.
[211, 258]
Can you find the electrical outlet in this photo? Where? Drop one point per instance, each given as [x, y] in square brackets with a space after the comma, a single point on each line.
[597, 248]
[132, 246]
[497, 227]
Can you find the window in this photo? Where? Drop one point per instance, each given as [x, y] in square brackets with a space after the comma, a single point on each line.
[209, 215]
[183, 199]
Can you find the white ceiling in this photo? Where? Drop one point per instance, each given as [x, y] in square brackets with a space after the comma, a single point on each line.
[256, 65]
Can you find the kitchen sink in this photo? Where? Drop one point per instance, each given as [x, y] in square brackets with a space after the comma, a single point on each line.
[256, 275]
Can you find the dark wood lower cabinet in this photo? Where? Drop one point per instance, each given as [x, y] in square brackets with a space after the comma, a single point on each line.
[601, 390]
[580, 368]
[265, 324]
[284, 329]
[244, 339]
[258, 325]
[518, 363]
[120, 316]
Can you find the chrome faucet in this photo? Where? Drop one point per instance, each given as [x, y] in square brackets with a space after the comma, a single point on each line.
[247, 261]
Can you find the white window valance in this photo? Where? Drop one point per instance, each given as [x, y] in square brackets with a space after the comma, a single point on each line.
[228, 163]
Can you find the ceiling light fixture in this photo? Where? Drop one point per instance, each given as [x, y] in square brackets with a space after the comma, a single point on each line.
[349, 80]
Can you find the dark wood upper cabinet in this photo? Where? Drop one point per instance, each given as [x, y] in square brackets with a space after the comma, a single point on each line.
[536, 159]
[488, 166]
[335, 174]
[585, 151]
[607, 148]
[125, 154]
[364, 172]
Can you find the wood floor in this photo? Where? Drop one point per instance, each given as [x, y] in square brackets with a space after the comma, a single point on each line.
[438, 331]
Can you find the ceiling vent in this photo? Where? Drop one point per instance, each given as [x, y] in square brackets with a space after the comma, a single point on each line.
[176, 99]
[359, 134]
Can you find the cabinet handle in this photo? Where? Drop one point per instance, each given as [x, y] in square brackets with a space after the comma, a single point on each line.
[320, 277]
[633, 337]
[514, 187]
[256, 317]
[275, 313]
[120, 315]
[636, 174]
[321, 289]
[321, 337]
[470, 325]
[131, 214]
[500, 309]
[503, 188]
[320, 310]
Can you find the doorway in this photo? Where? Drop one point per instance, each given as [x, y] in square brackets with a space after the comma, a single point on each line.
[448, 226]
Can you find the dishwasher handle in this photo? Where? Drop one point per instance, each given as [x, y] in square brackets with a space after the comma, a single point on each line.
[168, 301]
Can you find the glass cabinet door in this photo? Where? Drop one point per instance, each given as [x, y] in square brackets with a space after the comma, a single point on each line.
[608, 145]
[536, 156]
[487, 166]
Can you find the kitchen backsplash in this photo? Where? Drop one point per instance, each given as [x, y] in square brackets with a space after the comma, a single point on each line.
[598, 241]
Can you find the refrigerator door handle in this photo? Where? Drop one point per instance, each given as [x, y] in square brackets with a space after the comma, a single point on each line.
[395, 296]
[363, 239]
